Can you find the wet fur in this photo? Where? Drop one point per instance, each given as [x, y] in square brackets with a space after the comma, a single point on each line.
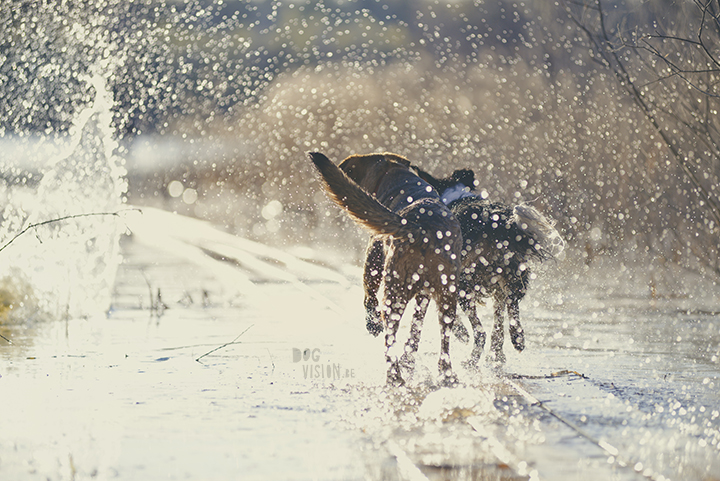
[415, 251]
[499, 241]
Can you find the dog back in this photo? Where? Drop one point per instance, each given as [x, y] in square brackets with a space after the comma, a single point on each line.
[390, 179]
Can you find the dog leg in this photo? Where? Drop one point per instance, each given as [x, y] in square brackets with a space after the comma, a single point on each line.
[372, 277]
[407, 360]
[461, 333]
[498, 334]
[447, 309]
[517, 335]
[469, 306]
[395, 304]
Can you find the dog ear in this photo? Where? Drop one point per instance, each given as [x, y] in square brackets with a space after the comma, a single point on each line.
[397, 158]
[357, 166]
[427, 177]
[465, 177]
[367, 169]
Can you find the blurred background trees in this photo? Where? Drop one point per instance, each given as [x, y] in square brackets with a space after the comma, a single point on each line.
[666, 58]
[601, 113]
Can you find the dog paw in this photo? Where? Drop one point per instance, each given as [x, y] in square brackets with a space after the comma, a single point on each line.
[449, 379]
[394, 378]
[497, 357]
[407, 366]
[472, 363]
[407, 362]
[374, 327]
[461, 333]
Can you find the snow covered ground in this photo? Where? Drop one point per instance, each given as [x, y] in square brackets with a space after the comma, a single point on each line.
[226, 359]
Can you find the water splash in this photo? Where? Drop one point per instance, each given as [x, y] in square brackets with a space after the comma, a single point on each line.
[66, 268]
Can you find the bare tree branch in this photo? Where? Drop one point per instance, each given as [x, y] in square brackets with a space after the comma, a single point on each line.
[604, 46]
[60, 219]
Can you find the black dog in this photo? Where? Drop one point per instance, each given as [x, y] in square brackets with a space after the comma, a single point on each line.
[499, 242]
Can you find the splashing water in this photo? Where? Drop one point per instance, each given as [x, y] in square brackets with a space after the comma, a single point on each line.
[64, 268]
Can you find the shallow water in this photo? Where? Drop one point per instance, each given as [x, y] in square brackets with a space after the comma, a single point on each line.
[198, 368]
[196, 374]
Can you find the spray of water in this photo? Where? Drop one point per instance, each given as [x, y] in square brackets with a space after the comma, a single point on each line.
[65, 268]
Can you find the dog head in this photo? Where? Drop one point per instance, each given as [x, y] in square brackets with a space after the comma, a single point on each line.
[367, 170]
[462, 177]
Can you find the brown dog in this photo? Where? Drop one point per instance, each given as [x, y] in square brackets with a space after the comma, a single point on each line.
[421, 244]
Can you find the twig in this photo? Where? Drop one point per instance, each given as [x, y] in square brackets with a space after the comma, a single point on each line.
[60, 219]
[226, 344]
[9, 341]
[147, 281]
[272, 360]
[189, 346]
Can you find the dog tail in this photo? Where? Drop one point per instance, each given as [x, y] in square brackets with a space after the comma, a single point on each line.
[547, 239]
[362, 207]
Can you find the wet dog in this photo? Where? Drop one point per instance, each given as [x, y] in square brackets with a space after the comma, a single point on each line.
[499, 242]
[415, 251]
